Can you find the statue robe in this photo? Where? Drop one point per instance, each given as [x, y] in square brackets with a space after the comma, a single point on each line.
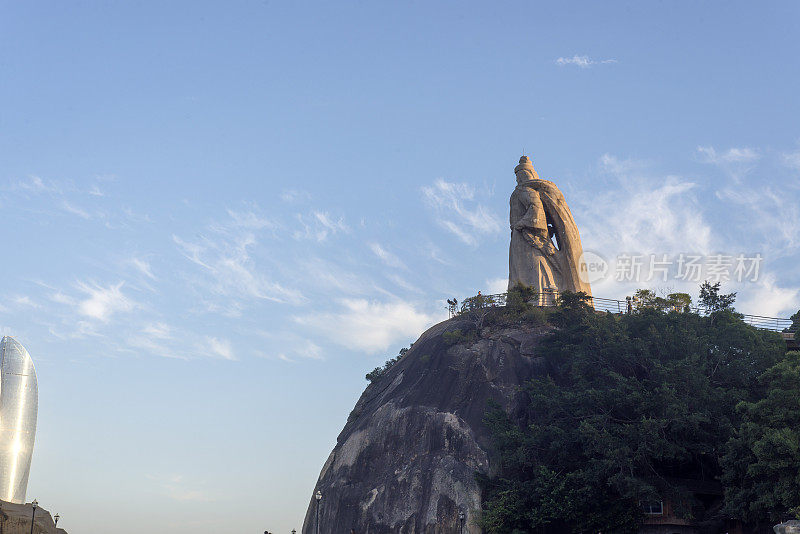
[529, 262]
[538, 208]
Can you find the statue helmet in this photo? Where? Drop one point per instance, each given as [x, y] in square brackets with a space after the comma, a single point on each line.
[525, 171]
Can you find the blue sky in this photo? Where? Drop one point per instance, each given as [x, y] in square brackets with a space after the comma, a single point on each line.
[218, 216]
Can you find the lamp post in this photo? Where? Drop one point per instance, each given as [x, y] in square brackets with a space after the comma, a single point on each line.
[56, 518]
[34, 504]
[294, 531]
[318, 497]
[461, 521]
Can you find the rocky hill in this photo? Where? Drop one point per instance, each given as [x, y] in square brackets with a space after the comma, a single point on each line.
[407, 456]
[16, 519]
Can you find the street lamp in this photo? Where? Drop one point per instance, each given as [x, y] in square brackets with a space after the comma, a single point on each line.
[34, 504]
[461, 521]
[294, 531]
[56, 517]
[318, 497]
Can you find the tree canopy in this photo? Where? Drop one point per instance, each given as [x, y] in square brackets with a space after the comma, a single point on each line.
[641, 407]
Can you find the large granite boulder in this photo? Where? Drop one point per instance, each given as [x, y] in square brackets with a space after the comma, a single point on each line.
[16, 519]
[406, 459]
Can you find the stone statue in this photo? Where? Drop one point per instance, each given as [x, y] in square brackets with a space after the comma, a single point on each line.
[546, 251]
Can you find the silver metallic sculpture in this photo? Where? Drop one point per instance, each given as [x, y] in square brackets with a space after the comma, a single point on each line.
[19, 405]
[546, 251]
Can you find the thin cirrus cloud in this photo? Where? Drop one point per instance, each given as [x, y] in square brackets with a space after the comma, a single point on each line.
[143, 267]
[771, 211]
[657, 213]
[736, 162]
[103, 302]
[457, 211]
[318, 225]
[583, 62]
[731, 156]
[652, 213]
[792, 159]
[765, 297]
[221, 348]
[75, 210]
[176, 488]
[385, 256]
[369, 326]
[228, 269]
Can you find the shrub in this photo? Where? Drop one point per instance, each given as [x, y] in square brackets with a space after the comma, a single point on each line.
[457, 336]
[380, 371]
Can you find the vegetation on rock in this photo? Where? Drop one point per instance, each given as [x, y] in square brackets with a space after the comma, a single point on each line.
[378, 372]
[640, 407]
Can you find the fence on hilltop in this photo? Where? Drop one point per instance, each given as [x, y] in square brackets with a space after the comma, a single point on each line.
[550, 298]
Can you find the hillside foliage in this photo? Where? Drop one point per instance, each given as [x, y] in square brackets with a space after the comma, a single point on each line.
[642, 407]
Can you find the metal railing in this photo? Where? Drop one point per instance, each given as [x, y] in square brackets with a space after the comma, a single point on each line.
[550, 298]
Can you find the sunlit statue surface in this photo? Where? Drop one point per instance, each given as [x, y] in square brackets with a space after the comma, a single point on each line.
[546, 252]
[19, 405]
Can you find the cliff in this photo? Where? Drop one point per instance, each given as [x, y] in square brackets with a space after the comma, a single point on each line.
[16, 519]
[407, 456]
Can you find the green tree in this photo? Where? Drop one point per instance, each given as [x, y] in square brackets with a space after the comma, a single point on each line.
[795, 324]
[762, 461]
[646, 299]
[630, 405]
[712, 301]
[680, 302]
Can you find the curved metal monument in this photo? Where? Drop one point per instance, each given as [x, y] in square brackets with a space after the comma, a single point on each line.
[19, 405]
[546, 251]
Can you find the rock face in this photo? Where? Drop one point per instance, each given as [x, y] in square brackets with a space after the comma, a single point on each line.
[16, 519]
[790, 527]
[406, 459]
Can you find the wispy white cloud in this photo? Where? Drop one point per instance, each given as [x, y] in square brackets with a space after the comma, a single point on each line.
[143, 267]
[319, 225]
[643, 213]
[220, 347]
[329, 277]
[24, 301]
[385, 256]
[35, 184]
[496, 285]
[176, 488]
[732, 155]
[249, 219]
[737, 162]
[766, 297]
[457, 211]
[583, 62]
[766, 208]
[294, 195]
[75, 210]
[160, 343]
[158, 330]
[62, 298]
[401, 282]
[226, 260]
[792, 159]
[369, 326]
[96, 192]
[103, 302]
[769, 213]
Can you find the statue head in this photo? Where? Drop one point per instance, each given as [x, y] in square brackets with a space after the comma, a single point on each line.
[525, 171]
